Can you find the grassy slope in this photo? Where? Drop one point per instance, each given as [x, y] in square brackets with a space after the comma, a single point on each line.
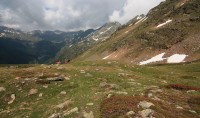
[179, 36]
[84, 89]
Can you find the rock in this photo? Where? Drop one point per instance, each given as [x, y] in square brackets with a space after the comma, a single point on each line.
[45, 86]
[109, 95]
[191, 91]
[121, 93]
[17, 78]
[179, 107]
[156, 90]
[82, 71]
[55, 115]
[74, 110]
[67, 78]
[103, 84]
[192, 111]
[12, 99]
[2, 89]
[56, 79]
[33, 91]
[88, 115]
[60, 68]
[145, 104]
[64, 104]
[90, 104]
[130, 114]
[147, 113]
[150, 95]
[88, 75]
[41, 94]
[114, 86]
[63, 92]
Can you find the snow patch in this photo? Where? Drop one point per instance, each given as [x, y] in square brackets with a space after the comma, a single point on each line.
[107, 57]
[176, 58]
[154, 59]
[160, 25]
[95, 39]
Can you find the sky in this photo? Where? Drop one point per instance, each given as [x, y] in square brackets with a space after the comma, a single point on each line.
[69, 15]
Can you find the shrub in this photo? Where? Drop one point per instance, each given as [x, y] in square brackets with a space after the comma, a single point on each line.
[182, 87]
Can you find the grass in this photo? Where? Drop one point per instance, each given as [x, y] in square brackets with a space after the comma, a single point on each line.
[83, 89]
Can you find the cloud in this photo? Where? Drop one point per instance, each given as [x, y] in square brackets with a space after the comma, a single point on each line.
[132, 8]
[67, 14]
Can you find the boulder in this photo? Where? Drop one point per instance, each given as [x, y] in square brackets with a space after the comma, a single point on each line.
[130, 114]
[74, 110]
[64, 104]
[88, 115]
[147, 113]
[145, 104]
[12, 99]
[33, 91]
[55, 115]
[56, 79]
[2, 89]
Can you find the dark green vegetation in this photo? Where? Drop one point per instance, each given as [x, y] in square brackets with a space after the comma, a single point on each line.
[84, 84]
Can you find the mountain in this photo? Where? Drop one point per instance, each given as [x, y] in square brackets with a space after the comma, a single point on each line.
[100, 35]
[18, 47]
[169, 33]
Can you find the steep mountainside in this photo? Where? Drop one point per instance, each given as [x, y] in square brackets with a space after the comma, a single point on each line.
[70, 51]
[169, 33]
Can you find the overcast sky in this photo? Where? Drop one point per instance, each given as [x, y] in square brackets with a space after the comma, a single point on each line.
[69, 14]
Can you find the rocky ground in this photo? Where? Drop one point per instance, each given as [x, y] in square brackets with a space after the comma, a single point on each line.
[100, 90]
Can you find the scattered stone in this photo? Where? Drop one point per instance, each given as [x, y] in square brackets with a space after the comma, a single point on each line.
[109, 95]
[114, 86]
[67, 78]
[121, 93]
[130, 114]
[145, 104]
[192, 111]
[17, 78]
[60, 68]
[74, 110]
[56, 79]
[12, 99]
[191, 91]
[88, 75]
[150, 95]
[156, 98]
[33, 91]
[64, 104]
[147, 113]
[82, 71]
[156, 90]
[56, 74]
[88, 115]
[103, 84]
[90, 104]
[2, 89]
[45, 86]
[40, 95]
[55, 115]
[179, 107]
[63, 92]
